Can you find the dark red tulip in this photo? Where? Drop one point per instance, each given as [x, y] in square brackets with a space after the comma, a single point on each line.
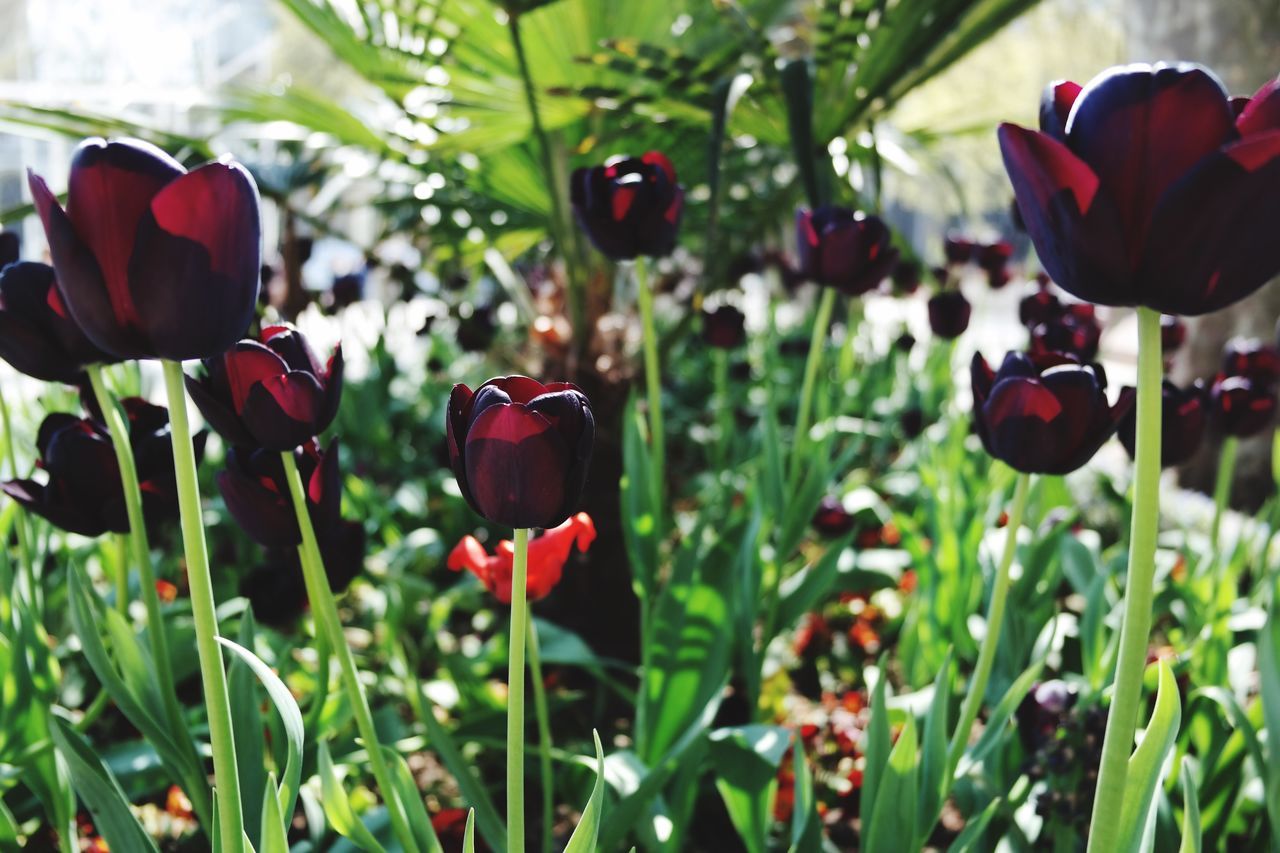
[520, 449]
[275, 394]
[37, 336]
[477, 329]
[1252, 358]
[1241, 405]
[1145, 188]
[912, 421]
[276, 588]
[832, 519]
[1182, 422]
[1075, 332]
[1044, 413]
[724, 328]
[998, 277]
[958, 250]
[1042, 711]
[630, 206]
[905, 342]
[84, 493]
[154, 261]
[949, 314]
[1173, 334]
[994, 256]
[1038, 307]
[852, 252]
[547, 555]
[907, 277]
[10, 248]
[256, 493]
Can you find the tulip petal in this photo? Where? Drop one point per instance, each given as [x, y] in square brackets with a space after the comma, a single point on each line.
[217, 414]
[1141, 127]
[266, 515]
[1055, 107]
[332, 391]
[1072, 224]
[570, 413]
[280, 411]
[1212, 240]
[195, 269]
[324, 486]
[515, 466]
[1262, 113]
[36, 498]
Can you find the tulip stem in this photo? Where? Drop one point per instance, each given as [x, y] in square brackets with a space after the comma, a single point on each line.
[204, 613]
[325, 612]
[653, 381]
[821, 324]
[1136, 625]
[724, 409]
[544, 735]
[122, 574]
[1222, 488]
[995, 621]
[515, 695]
[19, 518]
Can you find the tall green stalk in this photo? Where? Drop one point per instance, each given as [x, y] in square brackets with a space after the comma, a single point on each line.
[325, 612]
[1135, 630]
[515, 695]
[544, 736]
[1222, 488]
[724, 407]
[817, 345]
[204, 612]
[653, 382]
[19, 519]
[995, 621]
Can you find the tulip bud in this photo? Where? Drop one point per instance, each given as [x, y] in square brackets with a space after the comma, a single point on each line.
[37, 335]
[949, 314]
[256, 493]
[832, 519]
[852, 252]
[724, 328]
[629, 206]
[1182, 424]
[1038, 307]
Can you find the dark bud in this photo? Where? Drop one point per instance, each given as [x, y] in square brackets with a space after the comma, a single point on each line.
[630, 206]
[949, 314]
[852, 252]
[1184, 413]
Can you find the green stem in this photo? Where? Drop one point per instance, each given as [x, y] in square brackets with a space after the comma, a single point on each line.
[559, 222]
[19, 519]
[1222, 488]
[817, 345]
[848, 355]
[204, 613]
[544, 736]
[653, 382]
[995, 620]
[122, 574]
[325, 612]
[724, 411]
[515, 695]
[1136, 627]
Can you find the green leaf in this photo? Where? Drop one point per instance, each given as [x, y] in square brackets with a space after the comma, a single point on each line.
[877, 751]
[100, 791]
[639, 521]
[797, 86]
[274, 834]
[1190, 810]
[337, 808]
[473, 790]
[806, 823]
[469, 834]
[290, 716]
[933, 760]
[801, 592]
[994, 731]
[893, 819]
[974, 828]
[1269, 675]
[1146, 765]
[247, 726]
[587, 831]
[746, 760]
[415, 809]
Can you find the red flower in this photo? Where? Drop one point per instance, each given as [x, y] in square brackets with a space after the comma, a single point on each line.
[547, 556]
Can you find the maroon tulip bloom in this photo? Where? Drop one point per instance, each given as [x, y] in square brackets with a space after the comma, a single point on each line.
[37, 336]
[998, 277]
[1252, 358]
[1039, 307]
[630, 206]
[1146, 188]
[154, 261]
[994, 257]
[958, 250]
[907, 277]
[1044, 413]
[1184, 413]
[724, 328]
[275, 394]
[84, 493]
[832, 519]
[852, 252]
[1242, 406]
[276, 588]
[520, 449]
[1173, 334]
[1075, 331]
[256, 493]
[949, 314]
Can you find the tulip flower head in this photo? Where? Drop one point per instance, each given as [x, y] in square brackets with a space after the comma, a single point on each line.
[1243, 396]
[154, 261]
[949, 314]
[547, 555]
[1038, 307]
[1184, 414]
[37, 335]
[907, 277]
[520, 449]
[1044, 413]
[254, 488]
[724, 328]
[276, 589]
[273, 393]
[852, 252]
[1075, 331]
[630, 206]
[1145, 187]
[832, 519]
[1173, 334]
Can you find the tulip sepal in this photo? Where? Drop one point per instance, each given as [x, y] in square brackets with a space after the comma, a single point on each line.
[325, 612]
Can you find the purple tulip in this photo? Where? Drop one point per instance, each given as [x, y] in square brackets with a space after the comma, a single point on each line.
[630, 206]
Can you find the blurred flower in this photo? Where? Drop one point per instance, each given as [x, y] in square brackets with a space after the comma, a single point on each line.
[957, 250]
[276, 589]
[1042, 710]
[912, 421]
[37, 336]
[629, 206]
[520, 449]
[906, 276]
[154, 261]
[1252, 358]
[547, 556]
[1043, 413]
[998, 278]
[1075, 331]
[477, 329]
[994, 257]
[346, 290]
[1243, 405]
[1146, 188]
[949, 314]
[1182, 422]
[724, 328]
[832, 519]
[1038, 307]
[84, 493]
[257, 495]
[1173, 334]
[275, 394]
[839, 248]
[905, 342]
[10, 248]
